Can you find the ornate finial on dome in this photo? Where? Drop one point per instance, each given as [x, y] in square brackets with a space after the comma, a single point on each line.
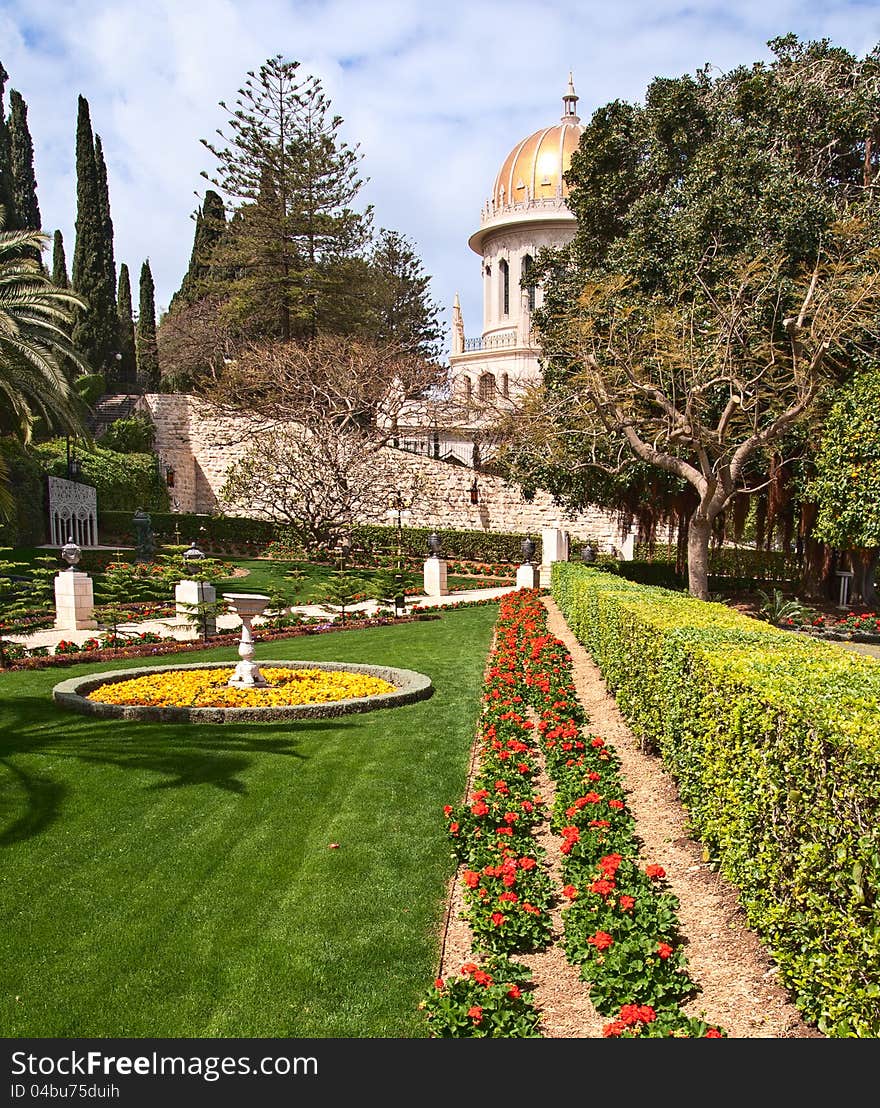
[569, 103]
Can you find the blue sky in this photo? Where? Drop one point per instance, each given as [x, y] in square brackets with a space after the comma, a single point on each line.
[436, 94]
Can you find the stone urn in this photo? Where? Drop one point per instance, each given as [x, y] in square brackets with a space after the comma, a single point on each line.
[247, 606]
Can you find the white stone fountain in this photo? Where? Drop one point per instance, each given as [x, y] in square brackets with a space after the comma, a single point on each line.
[247, 606]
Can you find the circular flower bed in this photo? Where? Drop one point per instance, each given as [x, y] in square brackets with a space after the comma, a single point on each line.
[199, 693]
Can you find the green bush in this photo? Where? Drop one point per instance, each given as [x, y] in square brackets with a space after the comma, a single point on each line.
[123, 481]
[27, 483]
[774, 742]
[134, 434]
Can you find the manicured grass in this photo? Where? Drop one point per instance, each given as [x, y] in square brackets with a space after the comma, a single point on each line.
[267, 575]
[177, 880]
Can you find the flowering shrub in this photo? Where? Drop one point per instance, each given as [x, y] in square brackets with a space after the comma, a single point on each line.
[484, 1002]
[209, 688]
[67, 646]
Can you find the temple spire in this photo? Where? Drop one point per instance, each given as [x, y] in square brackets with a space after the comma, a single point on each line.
[569, 103]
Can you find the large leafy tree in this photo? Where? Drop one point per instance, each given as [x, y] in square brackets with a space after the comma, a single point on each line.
[722, 276]
[294, 237]
[846, 486]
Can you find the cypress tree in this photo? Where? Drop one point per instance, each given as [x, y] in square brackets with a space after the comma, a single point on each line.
[7, 199]
[106, 221]
[210, 225]
[21, 157]
[95, 332]
[147, 347]
[59, 262]
[128, 363]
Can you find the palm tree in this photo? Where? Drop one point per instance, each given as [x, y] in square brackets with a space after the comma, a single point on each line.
[35, 321]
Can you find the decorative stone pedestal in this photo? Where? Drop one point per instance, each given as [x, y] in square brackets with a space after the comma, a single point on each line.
[435, 577]
[187, 596]
[554, 548]
[74, 601]
[247, 606]
[527, 576]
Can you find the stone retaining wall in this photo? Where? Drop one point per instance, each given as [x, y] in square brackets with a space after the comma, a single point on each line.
[200, 447]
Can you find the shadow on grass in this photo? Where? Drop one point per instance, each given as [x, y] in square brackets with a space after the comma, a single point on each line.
[185, 755]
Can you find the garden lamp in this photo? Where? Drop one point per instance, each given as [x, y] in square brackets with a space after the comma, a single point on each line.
[434, 544]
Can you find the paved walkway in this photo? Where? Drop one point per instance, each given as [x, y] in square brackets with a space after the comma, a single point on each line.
[170, 627]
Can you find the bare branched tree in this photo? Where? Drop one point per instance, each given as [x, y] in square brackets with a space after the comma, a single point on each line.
[320, 415]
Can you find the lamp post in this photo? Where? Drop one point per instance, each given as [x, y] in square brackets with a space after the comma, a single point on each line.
[528, 550]
[344, 551]
[193, 557]
[396, 505]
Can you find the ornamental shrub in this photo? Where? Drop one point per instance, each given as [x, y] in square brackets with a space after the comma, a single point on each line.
[774, 742]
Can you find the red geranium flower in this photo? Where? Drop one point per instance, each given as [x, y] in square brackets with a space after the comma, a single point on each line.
[475, 1013]
[655, 871]
[570, 891]
[498, 919]
[601, 940]
[664, 950]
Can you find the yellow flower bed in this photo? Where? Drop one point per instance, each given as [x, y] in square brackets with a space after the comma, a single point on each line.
[208, 688]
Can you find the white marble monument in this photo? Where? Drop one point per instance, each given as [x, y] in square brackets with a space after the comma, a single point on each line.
[74, 594]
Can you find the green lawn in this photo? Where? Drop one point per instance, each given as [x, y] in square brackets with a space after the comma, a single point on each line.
[176, 880]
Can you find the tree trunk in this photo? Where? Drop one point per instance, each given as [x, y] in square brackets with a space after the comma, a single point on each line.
[699, 534]
[865, 565]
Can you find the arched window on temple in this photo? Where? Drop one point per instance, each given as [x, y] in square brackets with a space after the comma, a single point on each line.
[468, 388]
[487, 386]
[505, 386]
[504, 273]
[528, 279]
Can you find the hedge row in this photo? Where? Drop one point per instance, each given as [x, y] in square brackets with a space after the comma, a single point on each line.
[774, 742]
[222, 532]
[727, 561]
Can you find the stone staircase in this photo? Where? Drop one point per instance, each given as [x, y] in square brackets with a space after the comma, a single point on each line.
[110, 407]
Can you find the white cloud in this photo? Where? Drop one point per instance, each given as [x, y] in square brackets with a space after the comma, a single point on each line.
[436, 95]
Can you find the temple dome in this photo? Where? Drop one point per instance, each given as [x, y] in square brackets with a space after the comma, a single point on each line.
[534, 167]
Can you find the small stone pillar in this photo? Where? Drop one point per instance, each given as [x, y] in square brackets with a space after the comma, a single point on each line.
[189, 594]
[435, 577]
[74, 601]
[554, 548]
[527, 576]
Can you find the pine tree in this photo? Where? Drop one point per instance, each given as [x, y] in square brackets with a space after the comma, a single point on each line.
[147, 348]
[21, 156]
[401, 311]
[210, 225]
[128, 362]
[59, 262]
[95, 331]
[7, 197]
[106, 221]
[293, 236]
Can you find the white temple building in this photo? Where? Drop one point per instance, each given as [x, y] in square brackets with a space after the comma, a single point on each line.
[526, 211]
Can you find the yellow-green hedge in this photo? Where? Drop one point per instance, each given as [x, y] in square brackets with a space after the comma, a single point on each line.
[774, 742]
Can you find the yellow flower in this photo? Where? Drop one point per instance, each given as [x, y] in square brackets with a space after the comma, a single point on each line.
[209, 688]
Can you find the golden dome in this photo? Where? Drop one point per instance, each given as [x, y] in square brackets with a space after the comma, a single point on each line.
[534, 167]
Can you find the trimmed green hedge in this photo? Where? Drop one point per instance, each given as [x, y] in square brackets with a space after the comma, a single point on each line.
[223, 532]
[774, 742]
[727, 561]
